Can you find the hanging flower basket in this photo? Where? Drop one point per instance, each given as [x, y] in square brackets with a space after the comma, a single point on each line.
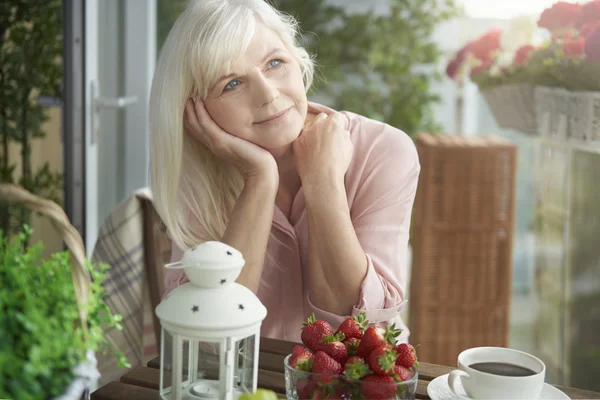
[513, 106]
[584, 116]
[552, 107]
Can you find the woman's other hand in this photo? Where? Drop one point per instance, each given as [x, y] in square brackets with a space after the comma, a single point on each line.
[252, 160]
[324, 150]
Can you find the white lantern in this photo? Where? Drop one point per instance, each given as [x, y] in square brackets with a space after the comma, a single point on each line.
[210, 328]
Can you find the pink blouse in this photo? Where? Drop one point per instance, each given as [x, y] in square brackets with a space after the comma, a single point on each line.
[381, 184]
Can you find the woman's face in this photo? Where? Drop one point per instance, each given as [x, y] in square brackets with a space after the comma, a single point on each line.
[264, 100]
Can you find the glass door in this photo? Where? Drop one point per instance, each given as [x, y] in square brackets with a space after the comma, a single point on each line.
[120, 53]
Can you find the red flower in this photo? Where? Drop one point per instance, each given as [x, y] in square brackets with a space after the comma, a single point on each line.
[561, 35]
[592, 45]
[452, 68]
[560, 15]
[588, 28]
[484, 47]
[482, 67]
[454, 65]
[574, 48]
[523, 54]
[590, 13]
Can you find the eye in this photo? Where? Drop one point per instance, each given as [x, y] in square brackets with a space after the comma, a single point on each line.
[275, 63]
[232, 85]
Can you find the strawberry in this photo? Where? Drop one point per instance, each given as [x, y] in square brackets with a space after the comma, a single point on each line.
[378, 387]
[407, 356]
[352, 346]
[402, 374]
[305, 388]
[356, 368]
[313, 331]
[332, 345]
[324, 364]
[354, 326]
[326, 392]
[376, 336]
[301, 358]
[382, 359]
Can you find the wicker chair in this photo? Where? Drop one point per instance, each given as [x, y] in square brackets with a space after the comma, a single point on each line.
[462, 242]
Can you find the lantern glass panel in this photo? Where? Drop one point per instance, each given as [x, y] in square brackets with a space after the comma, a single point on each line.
[245, 374]
[199, 368]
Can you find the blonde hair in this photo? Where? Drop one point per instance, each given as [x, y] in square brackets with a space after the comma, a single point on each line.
[194, 192]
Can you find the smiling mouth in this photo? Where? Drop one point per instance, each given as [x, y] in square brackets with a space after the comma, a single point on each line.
[275, 118]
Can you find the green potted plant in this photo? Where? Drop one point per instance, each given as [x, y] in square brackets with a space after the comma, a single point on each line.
[52, 311]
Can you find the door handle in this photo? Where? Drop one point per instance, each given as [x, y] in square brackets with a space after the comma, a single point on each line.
[98, 103]
[118, 102]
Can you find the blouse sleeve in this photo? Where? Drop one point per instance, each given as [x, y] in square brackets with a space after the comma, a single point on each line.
[381, 214]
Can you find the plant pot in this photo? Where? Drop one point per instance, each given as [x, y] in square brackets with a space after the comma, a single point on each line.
[513, 106]
[86, 380]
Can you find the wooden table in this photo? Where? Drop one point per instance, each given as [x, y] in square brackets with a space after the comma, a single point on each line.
[143, 382]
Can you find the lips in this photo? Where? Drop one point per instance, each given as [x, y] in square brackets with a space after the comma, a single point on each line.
[274, 117]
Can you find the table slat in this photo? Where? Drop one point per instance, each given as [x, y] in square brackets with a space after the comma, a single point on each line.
[143, 376]
[150, 378]
[119, 390]
[575, 393]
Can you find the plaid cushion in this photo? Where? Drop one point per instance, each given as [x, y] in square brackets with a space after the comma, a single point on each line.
[120, 244]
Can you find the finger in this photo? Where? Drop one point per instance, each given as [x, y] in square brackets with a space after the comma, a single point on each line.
[339, 118]
[205, 121]
[321, 117]
[190, 119]
[215, 137]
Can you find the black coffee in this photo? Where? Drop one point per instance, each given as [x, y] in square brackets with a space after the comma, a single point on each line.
[504, 369]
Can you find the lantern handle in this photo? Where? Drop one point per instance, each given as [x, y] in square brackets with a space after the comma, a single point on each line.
[174, 265]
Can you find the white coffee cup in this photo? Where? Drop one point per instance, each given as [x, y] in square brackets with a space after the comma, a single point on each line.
[485, 385]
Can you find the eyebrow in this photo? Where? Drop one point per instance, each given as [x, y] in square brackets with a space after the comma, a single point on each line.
[265, 58]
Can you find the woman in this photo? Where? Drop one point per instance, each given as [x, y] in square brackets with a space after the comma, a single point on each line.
[318, 201]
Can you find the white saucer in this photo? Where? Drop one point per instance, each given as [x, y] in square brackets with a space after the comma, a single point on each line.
[438, 389]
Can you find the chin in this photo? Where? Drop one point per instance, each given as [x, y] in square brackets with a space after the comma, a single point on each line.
[281, 141]
[283, 136]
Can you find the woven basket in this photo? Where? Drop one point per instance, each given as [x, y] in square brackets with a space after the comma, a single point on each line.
[553, 108]
[81, 279]
[584, 116]
[513, 106]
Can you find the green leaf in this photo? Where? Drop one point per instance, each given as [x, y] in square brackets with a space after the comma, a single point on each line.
[40, 337]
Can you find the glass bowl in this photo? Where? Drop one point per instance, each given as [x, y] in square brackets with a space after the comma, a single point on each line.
[300, 385]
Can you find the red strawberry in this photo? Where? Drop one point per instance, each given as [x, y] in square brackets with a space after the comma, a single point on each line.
[305, 388]
[354, 326]
[376, 336]
[313, 331]
[407, 356]
[324, 364]
[356, 368]
[332, 345]
[326, 392]
[382, 359]
[352, 346]
[301, 358]
[378, 387]
[402, 374]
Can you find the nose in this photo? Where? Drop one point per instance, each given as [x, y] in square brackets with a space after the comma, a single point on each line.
[266, 92]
